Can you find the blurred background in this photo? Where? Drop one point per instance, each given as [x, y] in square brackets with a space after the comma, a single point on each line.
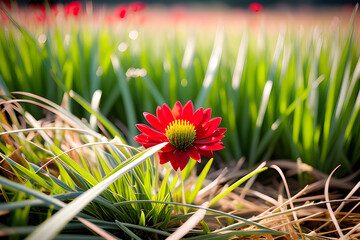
[231, 3]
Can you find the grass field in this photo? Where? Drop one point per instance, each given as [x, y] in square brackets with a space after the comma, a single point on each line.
[76, 79]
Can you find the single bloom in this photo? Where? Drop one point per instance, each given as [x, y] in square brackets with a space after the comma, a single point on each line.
[255, 7]
[137, 6]
[120, 11]
[73, 8]
[188, 133]
[40, 14]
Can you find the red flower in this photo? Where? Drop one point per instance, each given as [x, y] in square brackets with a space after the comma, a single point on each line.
[188, 133]
[72, 8]
[40, 15]
[120, 11]
[137, 6]
[255, 7]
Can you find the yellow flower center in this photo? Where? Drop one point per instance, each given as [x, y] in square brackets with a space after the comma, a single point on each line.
[180, 133]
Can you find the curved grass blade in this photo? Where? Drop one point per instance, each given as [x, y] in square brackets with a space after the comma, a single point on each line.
[212, 68]
[126, 95]
[51, 227]
[112, 225]
[108, 125]
[236, 184]
[207, 209]
[9, 206]
[127, 231]
[154, 91]
[22, 188]
[27, 172]
[230, 235]
[260, 119]
[200, 181]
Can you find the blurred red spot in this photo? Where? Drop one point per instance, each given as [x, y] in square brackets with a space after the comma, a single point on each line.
[137, 6]
[3, 17]
[347, 9]
[120, 11]
[54, 9]
[6, 3]
[179, 13]
[255, 7]
[40, 14]
[42, 9]
[40, 18]
[72, 8]
[142, 20]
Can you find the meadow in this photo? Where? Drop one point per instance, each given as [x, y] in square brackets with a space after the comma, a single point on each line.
[76, 79]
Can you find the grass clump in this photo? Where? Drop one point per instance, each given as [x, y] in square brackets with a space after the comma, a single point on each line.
[58, 175]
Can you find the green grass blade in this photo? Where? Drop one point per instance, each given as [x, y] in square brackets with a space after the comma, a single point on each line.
[200, 181]
[51, 227]
[153, 90]
[231, 235]
[71, 163]
[207, 209]
[22, 188]
[10, 206]
[236, 184]
[29, 173]
[126, 95]
[127, 231]
[212, 68]
[107, 124]
[259, 121]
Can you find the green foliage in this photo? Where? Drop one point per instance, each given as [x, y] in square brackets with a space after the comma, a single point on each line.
[308, 110]
[58, 175]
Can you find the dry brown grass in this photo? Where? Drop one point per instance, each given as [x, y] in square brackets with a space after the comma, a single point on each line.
[326, 208]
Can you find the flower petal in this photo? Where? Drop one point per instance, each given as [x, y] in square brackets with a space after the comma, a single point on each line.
[174, 164]
[177, 110]
[219, 131]
[168, 148]
[165, 115]
[188, 111]
[210, 139]
[149, 144]
[194, 153]
[198, 116]
[167, 112]
[180, 158]
[161, 117]
[212, 147]
[207, 115]
[165, 157]
[154, 122]
[205, 153]
[205, 118]
[209, 128]
[141, 138]
[151, 132]
[144, 140]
